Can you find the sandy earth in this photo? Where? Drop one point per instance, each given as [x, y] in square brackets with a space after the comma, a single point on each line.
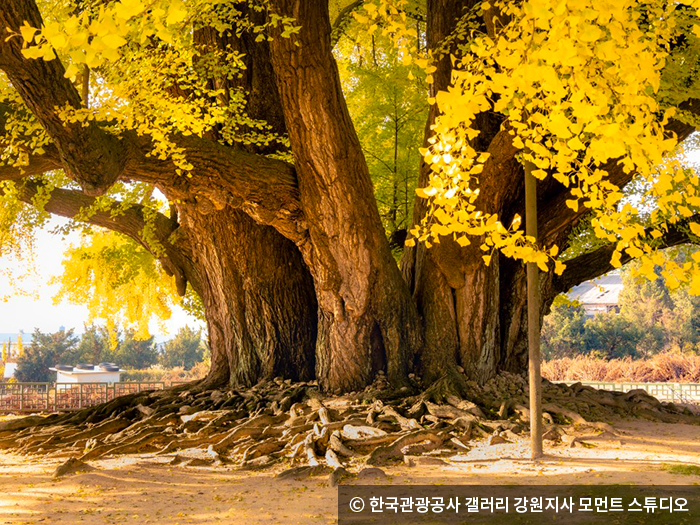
[143, 489]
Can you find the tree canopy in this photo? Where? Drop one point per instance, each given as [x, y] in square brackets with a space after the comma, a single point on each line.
[585, 91]
[45, 351]
[184, 350]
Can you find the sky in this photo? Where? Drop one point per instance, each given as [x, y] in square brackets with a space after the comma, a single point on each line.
[27, 313]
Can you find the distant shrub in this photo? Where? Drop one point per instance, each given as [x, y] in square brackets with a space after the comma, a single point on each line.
[166, 375]
[673, 366]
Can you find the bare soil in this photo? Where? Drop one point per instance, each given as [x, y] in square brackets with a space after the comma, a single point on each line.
[146, 489]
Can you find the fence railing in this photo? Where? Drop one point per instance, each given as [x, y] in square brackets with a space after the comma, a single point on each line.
[56, 397]
[676, 392]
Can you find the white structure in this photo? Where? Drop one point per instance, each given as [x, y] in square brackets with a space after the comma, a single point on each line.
[98, 375]
[599, 295]
[10, 368]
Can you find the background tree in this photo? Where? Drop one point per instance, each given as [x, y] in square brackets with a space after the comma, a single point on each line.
[612, 336]
[94, 346]
[133, 352]
[45, 351]
[652, 318]
[563, 330]
[185, 349]
[646, 305]
[386, 99]
[683, 321]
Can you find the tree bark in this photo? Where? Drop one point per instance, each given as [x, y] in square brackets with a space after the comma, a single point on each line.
[258, 298]
[367, 320]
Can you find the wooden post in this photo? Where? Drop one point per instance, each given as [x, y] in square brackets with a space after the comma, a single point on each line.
[533, 318]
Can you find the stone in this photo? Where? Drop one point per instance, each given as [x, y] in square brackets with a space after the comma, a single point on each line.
[509, 435]
[303, 472]
[570, 440]
[412, 461]
[497, 440]
[72, 466]
[177, 459]
[460, 442]
[146, 411]
[197, 462]
[551, 435]
[370, 473]
[259, 462]
[361, 432]
[337, 476]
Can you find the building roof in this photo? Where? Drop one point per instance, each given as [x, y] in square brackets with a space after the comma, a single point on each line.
[77, 372]
[604, 290]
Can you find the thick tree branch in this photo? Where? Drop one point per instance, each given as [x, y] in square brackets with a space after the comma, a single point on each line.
[223, 176]
[342, 20]
[93, 157]
[129, 221]
[69, 204]
[38, 164]
[596, 263]
[264, 188]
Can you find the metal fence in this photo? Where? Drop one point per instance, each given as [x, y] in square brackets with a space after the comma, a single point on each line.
[676, 392]
[56, 397]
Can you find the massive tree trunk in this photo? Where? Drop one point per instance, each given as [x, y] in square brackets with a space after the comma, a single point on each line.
[258, 298]
[475, 317]
[367, 321]
[459, 297]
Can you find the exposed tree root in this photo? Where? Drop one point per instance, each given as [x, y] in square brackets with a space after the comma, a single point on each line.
[280, 421]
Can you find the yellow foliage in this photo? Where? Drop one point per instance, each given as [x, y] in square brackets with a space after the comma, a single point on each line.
[576, 82]
[118, 281]
[130, 44]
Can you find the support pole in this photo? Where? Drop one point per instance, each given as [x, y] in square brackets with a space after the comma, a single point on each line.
[533, 318]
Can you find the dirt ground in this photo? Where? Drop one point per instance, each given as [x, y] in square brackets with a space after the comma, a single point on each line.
[145, 489]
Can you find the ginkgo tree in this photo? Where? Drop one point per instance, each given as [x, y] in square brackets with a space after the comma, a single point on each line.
[235, 112]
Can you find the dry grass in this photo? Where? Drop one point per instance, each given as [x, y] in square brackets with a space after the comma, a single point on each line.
[167, 375]
[668, 366]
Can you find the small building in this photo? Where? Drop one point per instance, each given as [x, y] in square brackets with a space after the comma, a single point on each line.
[103, 373]
[599, 295]
[10, 368]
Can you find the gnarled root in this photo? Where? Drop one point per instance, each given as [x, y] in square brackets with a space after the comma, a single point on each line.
[277, 421]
